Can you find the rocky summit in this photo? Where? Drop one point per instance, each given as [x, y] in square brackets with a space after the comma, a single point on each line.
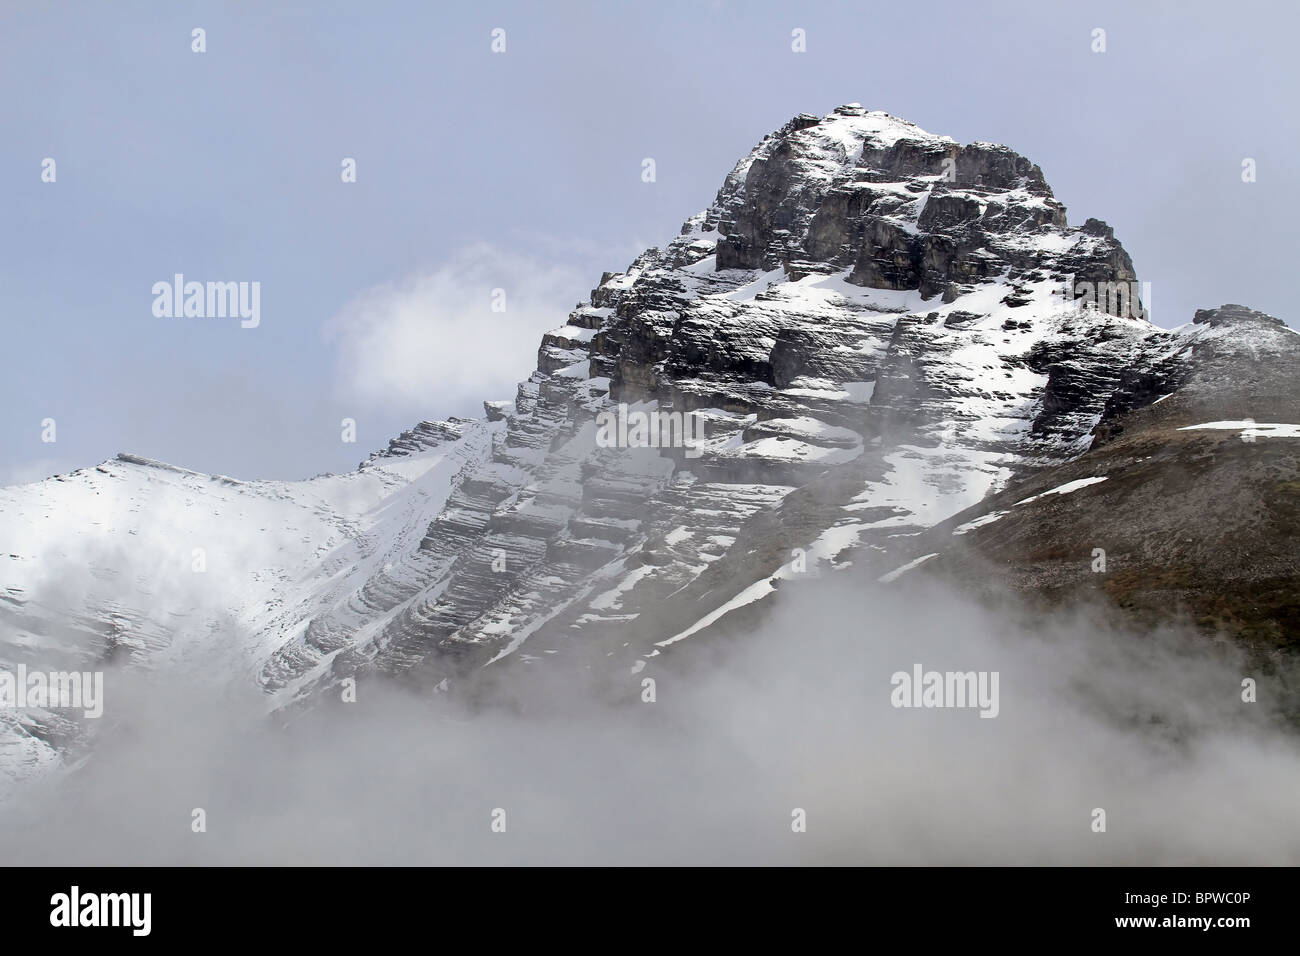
[883, 336]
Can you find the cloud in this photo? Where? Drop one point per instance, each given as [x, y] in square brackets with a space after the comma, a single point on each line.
[794, 713]
[434, 341]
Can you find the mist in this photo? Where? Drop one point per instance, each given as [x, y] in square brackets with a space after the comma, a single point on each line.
[746, 728]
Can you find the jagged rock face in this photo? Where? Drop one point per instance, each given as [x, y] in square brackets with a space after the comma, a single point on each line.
[900, 208]
[421, 438]
[830, 209]
[873, 326]
[876, 328]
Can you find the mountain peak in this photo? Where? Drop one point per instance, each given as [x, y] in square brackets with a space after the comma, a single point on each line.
[871, 329]
[1233, 314]
[898, 208]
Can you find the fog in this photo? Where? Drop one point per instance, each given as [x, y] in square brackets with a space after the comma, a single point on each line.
[745, 727]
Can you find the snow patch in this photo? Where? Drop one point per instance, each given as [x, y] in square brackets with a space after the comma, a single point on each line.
[979, 522]
[895, 574]
[1064, 489]
[1252, 429]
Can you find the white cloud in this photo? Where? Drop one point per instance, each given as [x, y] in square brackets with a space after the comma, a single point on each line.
[433, 341]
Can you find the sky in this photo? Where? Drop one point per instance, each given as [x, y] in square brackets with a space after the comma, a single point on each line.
[521, 171]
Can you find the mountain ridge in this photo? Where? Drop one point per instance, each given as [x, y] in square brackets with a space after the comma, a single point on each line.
[880, 330]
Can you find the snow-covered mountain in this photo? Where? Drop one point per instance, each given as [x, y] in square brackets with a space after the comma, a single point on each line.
[137, 561]
[877, 327]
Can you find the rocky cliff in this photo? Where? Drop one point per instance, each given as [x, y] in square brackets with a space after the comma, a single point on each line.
[875, 329]
[875, 326]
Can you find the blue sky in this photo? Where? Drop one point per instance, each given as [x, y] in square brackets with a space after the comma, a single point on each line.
[522, 170]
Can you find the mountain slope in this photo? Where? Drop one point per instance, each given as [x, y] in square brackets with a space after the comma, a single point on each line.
[1193, 495]
[136, 562]
[877, 329]
[845, 278]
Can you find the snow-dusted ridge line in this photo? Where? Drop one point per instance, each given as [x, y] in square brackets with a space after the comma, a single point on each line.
[215, 576]
[130, 459]
[869, 341]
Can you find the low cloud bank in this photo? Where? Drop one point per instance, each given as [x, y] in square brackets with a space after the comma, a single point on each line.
[744, 731]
